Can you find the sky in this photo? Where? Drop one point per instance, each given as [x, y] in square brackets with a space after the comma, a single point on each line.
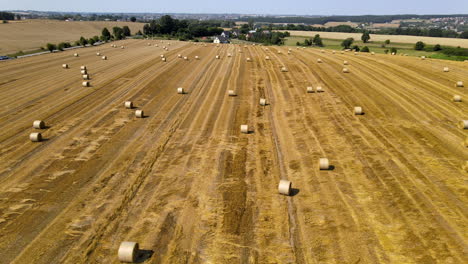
[291, 7]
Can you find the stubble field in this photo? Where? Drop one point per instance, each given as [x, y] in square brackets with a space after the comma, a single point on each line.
[188, 186]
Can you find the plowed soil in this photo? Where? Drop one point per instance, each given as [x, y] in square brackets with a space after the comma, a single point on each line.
[186, 185]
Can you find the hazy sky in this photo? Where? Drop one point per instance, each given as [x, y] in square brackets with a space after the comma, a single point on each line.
[300, 7]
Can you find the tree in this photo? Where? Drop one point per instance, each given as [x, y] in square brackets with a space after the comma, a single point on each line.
[51, 47]
[244, 29]
[393, 50]
[91, 41]
[126, 31]
[387, 42]
[251, 24]
[464, 35]
[437, 47]
[347, 43]
[118, 33]
[83, 41]
[167, 24]
[365, 49]
[317, 40]
[133, 19]
[106, 35]
[419, 45]
[365, 37]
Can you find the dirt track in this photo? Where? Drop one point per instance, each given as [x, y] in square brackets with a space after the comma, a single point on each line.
[184, 183]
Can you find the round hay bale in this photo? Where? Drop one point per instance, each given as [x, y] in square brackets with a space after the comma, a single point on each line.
[342, 52]
[284, 187]
[128, 251]
[423, 57]
[83, 68]
[279, 51]
[324, 164]
[180, 90]
[240, 51]
[463, 124]
[319, 60]
[162, 55]
[65, 66]
[263, 101]
[446, 69]
[322, 51]
[248, 59]
[122, 47]
[232, 93]
[267, 57]
[179, 55]
[35, 137]
[457, 98]
[163, 59]
[244, 129]
[358, 110]
[83, 72]
[185, 58]
[76, 55]
[393, 53]
[229, 55]
[85, 76]
[333, 52]
[284, 69]
[104, 57]
[459, 84]
[139, 113]
[345, 70]
[345, 63]
[372, 53]
[217, 57]
[156, 45]
[128, 104]
[149, 44]
[197, 58]
[38, 124]
[319, 89]
[355, 53]
[310, 89]
[98, 54]
[85, 84]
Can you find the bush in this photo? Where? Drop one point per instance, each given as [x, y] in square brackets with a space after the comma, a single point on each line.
[436, 47]
[51, 47]
[393, 50]
[419, 45]
[356, 48]
[347, 43]
[365, 49]
[386, 51]
[387, 42]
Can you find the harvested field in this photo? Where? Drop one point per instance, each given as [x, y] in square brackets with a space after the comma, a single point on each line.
[186, 184]
[455, 42]
[33, 34]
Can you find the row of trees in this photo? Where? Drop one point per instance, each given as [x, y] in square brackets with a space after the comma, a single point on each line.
[7, 16]
[316, 41]
[182, 29]
[452, 51]
[270, 38]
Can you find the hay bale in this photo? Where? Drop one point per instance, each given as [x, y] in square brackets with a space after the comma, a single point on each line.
[423, 57]
[244, 129]
[128, 251]
[217, 57]
[197, 58]
[249, 60]
[393, 53]
[457, 98]
[179, 56]
[319, 60]
[85, 76]
[83, 72]
[459, 84]
[324, 164]
[76, 55]
[229, 55]
[232, 93]
[284, 187]
[342, 52]
[38, 124]
[85, 84]
[83, 68]
[345, 70]
[355, 53]
[358, 110]
[65, 66]
[163, 59]
[284, 69]
[139, 113]
[322, 51]
[263, 102]
[267, 57]
[162, 55]
[180, 90]
[446, 69]
[35, 137]
[310, 89]
[104, 57]
[279, 51]
[185, 58]
[128, 104]
[333, 52]
[98, 54]
[319, 89]
[463, 124]
[372, 53]
[345, 63]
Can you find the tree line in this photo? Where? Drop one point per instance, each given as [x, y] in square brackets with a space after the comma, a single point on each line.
[7, 16]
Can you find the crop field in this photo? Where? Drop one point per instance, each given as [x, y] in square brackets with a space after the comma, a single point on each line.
[455, 42]
[33, 34]
[189, 187]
